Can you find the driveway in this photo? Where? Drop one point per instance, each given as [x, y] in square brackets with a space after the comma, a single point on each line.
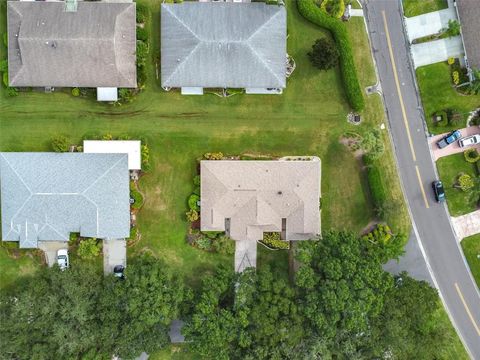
[114, 253]
[430, 23]
[436, 51]
[467, 225]
[453, 148]
[50, 249]
[245, 254]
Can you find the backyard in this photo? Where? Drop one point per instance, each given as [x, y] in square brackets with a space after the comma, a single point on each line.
[471, 249]
[418, 7]
[438, 94]
[459, 202]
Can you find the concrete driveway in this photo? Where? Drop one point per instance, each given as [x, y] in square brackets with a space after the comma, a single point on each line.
[453, 148]
[436, 51]
[430, 23]
[114, 253]
[50, 249]
[467, 225]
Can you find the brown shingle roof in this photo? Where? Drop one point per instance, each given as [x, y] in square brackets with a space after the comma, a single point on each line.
[469, 12]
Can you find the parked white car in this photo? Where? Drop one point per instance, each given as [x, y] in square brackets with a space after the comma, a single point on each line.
[62, 259]
[469, 140]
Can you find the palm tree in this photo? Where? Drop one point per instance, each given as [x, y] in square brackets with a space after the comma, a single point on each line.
[475, 84]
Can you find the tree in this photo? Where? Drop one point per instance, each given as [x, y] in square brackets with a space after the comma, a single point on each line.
[453, 28]
[88, 249]
[341, 285]
[324, 54]
[244, 316]
[465, 182]
[79, 313]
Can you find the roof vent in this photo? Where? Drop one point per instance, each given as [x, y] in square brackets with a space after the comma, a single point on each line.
[280, 192]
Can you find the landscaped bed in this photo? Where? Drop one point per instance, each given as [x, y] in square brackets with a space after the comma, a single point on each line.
[459, 202]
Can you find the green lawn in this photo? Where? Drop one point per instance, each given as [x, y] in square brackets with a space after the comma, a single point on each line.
[471, 249]
[14, 264]
[438, 94]
[418, 7]
[459, 202]
[307, 119]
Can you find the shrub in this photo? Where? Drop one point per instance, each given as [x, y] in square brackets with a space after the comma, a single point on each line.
[440, 118]
[213, 156]
[224, 245]
[465, 182]
[471, 155]
[76, 92]
[450, 61]
[456, 77]
[324, 54]
[11, 91]
[197, 190]
[88, 249]
[381, 234]
[192, 215]
[339, 32]
[142, 34]
[142, 53]
[5, 79]
[455, 117]
[4, 65]
[145, 157]
[453, 28]
[377, 189]
[137, 198]
[272, 240]
[203, 243]
[372, 143]
[334, 8]
[196, 180]
[60, 144]
[73, 238]
[192, 202]
[143, 13]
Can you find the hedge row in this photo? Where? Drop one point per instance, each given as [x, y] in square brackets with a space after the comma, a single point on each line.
[313, 13]
[377, 190]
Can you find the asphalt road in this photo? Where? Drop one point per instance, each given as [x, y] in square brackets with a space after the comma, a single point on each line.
[431, 220]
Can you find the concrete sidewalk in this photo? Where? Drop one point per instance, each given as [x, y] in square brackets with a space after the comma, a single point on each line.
[452, 148]
[467, 225]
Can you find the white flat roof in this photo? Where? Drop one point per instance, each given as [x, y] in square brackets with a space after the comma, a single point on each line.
[130, 147]
[107, 94]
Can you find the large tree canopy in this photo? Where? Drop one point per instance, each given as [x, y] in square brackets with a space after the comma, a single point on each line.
[80, 314]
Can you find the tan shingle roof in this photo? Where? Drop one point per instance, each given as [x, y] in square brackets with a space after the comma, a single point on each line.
[469, 12]
[257, 195]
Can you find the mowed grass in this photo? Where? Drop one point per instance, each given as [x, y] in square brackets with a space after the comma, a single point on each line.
[307, 119]
[471, 250]
[438, 94]
[418, 7]
[13, 267]
[459, 202]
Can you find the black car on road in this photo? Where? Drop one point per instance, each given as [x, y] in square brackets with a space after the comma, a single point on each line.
[438, 190]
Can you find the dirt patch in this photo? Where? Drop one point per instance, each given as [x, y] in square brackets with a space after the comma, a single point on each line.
[354, 145]
[370, 226]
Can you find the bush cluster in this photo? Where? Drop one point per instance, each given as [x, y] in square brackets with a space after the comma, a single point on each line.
[193, 202]
[381, 234]
[143, 13]
[375, 183]
[88, 248]
[311, 12]
[145, 158]
[60, 144]
[471, 155]
[215, 241]
[213, 156]
[272, 240]
[334, 8]
[192, 215]
[137, 198]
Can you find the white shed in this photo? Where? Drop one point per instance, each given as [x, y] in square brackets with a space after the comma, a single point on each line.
[130, 147]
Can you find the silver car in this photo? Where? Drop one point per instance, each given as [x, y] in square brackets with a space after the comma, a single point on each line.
[469, 140]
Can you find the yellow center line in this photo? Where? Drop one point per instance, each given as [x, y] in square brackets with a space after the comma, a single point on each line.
[421, 187]
[467, 309]
[397, 83]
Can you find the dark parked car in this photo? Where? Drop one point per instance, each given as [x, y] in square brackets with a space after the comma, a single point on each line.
[438, 190]
[118, 271]
[449, 139]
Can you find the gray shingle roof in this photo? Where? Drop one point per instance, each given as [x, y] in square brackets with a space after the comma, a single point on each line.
[210, 44]
[45, 196]
[92, 47]
[469, 12]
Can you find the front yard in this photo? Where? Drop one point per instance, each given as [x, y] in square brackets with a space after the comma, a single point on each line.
[438, 95]
[471, 249]
[419, 7]
[459, 202]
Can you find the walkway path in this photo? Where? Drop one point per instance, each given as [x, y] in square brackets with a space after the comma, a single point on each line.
[245, 254]
[467, 225]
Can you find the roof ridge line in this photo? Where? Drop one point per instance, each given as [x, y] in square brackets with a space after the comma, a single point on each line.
[105, 173]
[16, 173]
[263, 61]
